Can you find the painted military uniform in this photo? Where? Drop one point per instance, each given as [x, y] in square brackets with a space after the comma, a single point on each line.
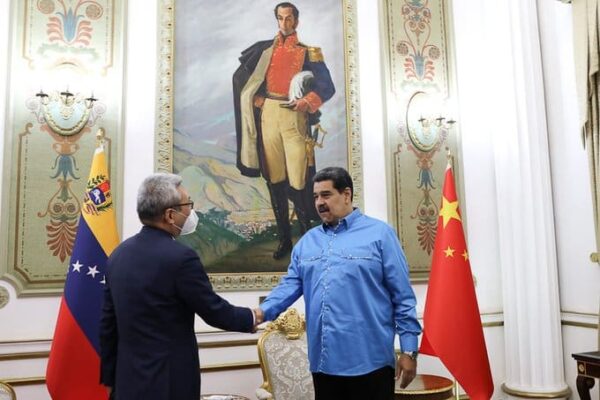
[271, 140]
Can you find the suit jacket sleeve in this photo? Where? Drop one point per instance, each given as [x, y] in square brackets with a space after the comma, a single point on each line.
[108, 340]
[195, 290]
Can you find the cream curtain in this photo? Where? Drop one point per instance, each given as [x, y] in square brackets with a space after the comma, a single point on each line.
[585, 34]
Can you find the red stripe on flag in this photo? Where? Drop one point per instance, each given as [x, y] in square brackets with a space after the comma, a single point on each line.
[73, 371]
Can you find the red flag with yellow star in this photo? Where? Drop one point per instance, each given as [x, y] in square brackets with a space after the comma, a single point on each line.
[452, 326]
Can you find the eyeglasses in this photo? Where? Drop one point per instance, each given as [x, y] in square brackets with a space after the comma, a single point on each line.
[190, 203]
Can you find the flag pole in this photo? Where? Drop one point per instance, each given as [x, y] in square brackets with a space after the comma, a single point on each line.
[456, 393]
[449, 160]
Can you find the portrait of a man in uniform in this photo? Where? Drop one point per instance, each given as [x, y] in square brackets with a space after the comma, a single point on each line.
[278, 90]
[259, 106]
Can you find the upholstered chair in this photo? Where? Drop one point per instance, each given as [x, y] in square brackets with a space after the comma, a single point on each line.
[7, 392]
[283, 356]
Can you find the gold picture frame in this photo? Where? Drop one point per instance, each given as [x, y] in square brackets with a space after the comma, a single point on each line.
[231, 278]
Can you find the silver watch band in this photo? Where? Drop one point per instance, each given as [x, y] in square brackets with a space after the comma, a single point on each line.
[411, 354]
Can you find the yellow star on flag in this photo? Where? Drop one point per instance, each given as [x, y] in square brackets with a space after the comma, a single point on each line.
[449, 210]
[449, 252]
[465, 255]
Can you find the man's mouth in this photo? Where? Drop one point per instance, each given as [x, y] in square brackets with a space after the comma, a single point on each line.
[323, 209]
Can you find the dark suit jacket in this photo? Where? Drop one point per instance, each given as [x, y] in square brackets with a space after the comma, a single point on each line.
[154, 286]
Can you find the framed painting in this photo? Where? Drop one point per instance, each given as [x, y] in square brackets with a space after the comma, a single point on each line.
[222, 80]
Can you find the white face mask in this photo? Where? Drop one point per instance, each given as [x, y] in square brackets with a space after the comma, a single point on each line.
[190, 224]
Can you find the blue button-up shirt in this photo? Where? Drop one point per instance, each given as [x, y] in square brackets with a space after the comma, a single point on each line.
[357, 293]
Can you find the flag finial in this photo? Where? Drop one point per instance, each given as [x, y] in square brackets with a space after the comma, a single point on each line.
[100, 136]
[449, 158]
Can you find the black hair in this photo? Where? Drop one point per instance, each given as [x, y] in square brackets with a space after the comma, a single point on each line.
[286, 4]
[339, 176]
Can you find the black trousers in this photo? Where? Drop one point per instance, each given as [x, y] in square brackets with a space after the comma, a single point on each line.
[376, 385]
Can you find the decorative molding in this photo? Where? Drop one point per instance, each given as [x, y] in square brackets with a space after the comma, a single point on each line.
[4, 296]
[225, 344]
[215, 344]
[30, 355]
[578, 313]
[164, 111]
[33, 380]
[237, 366]
[579, 319]
[229, 366]
[578, 324]
[492, 324]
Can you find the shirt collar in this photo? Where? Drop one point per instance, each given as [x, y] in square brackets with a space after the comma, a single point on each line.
[346, 222]
[288, 41]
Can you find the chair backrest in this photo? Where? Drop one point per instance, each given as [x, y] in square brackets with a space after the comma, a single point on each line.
[283, 356]
[7, 392]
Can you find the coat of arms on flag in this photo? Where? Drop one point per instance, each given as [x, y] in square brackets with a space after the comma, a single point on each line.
[97, 195]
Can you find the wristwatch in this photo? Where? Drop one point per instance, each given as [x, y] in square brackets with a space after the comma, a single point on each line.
[411, 354]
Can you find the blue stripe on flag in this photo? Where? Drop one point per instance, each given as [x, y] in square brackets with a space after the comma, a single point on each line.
[85, 282]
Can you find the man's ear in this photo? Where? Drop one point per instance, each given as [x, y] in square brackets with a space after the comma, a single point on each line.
[168, 215]
[348, 193]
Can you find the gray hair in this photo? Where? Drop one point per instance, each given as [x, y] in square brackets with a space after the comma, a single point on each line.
[157, 193]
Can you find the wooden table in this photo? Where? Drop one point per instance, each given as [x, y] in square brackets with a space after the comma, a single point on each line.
[588, 368]
[426, 387]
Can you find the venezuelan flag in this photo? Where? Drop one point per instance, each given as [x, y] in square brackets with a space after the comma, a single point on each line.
[73, 370]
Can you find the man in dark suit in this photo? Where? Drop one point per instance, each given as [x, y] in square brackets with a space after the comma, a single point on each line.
[154, 286]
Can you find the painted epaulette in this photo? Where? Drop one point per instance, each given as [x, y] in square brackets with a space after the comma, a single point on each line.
[314, 53]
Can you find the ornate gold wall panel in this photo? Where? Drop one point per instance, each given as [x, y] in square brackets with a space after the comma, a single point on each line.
[420, 126]
[64, 55]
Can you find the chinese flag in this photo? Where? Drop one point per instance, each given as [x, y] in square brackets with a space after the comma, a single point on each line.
[452, 325]
[73, 371]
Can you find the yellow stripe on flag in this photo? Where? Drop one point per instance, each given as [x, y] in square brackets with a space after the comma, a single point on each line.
[98, 208]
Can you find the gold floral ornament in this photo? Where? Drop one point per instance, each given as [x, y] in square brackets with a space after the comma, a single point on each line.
[66, 117]
[290, 323]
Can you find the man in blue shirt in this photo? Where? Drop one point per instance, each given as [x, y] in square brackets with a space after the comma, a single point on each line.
[354, 278]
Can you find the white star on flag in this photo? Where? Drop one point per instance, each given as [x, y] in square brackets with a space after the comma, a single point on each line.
[77, 266]
[93, 271]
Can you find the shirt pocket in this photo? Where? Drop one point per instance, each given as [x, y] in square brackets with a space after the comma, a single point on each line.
[312, 260]
[360, 260]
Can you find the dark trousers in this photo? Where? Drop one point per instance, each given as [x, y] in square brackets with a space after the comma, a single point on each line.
[376, 385]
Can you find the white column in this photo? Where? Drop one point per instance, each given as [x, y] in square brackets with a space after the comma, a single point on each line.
[533, 343]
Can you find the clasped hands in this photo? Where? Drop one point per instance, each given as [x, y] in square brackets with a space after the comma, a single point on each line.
[259, 317]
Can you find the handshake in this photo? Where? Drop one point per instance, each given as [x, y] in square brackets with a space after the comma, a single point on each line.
[259, 317]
